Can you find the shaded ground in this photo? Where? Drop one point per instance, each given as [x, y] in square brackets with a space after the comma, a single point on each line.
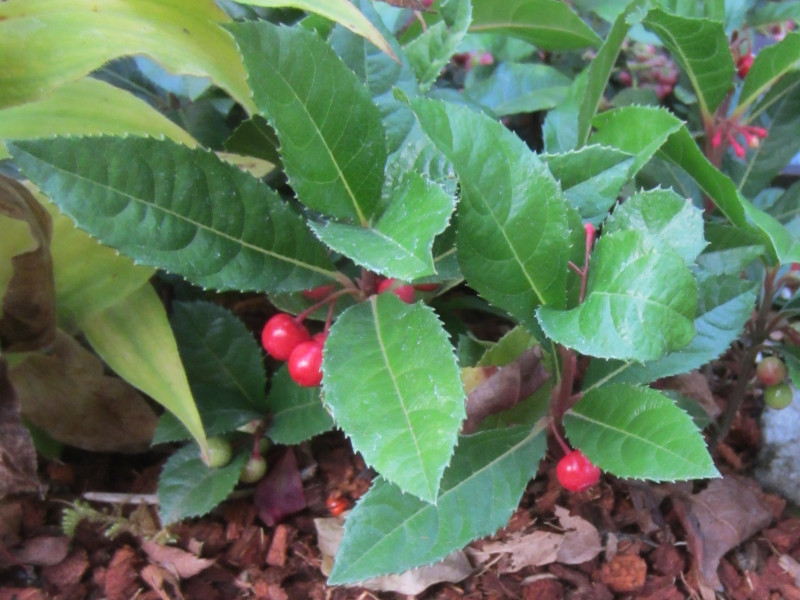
[642, 541]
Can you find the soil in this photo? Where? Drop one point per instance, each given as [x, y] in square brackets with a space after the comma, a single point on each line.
[646, 550]
[725, 538]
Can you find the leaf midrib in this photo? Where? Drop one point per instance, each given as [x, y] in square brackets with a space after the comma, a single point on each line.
[178, 216]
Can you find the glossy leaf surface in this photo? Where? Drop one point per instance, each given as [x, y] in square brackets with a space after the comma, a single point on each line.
[178, 209]
[399, 244]
[512, 219]
[331, 136]
[638, 433]
[700, 46]
[725, 303]
[188, 488]
[296, 413]
[668, 219]
[224, 367]
[628, 312]
[390, 532]
[391, 363]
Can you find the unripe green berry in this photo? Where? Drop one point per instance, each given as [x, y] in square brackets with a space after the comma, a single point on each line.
[778, 396]
[264, 445]
[253, 470]
[219, 452]
[771, 370]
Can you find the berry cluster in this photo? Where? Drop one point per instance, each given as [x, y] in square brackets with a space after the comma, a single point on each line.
[771, 372]
[285, 338]
[647, 67]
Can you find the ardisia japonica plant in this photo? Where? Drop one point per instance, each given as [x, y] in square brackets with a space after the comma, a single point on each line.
[632, 236]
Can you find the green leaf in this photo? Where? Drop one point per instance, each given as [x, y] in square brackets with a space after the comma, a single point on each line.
[390, 532]
[561, 124]
[591, 178]
[86, 107]
[399, 244]
[725, 304]
[507, 348]
[430, 52]
[392, 364]
[700, 47]
[133, 336]
[188, 488]
[730, 250]
[218, 349]
[332, 139]
[638, 433]
[785, 245]
[512, 219]
[297, 413]
[340, 11]
[178, 209]
[640, 302]
[255, 137]
[54, 42]
[224, 366]
[669, 220]
[601, 67]
[637, 130]
[775, 12]
[520, 88]
[548, 24]
[770, 64]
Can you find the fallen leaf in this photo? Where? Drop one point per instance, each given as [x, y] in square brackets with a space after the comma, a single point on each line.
[156, 577]
[67, 394]
[791, 566]
[717, 520]
[43, 550]
[176, 561]
[453, 568]
[27, 318]
[579, 542]
[121, 576]
[17, 454]
[280, 493]
[693, 385]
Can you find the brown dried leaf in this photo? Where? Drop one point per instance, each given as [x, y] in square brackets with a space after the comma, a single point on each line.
[451, 569]
[121, 577]
[43, 550]
[505, 388]
[66, 394]
[27, 318]
[693, 385]
[579, 542]
[17, 454]
[717, 520]
[176, 561]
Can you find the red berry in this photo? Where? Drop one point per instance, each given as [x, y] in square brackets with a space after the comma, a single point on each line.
[576, 473]
[743, 65]
[305, 363]
[319, 293]
[281, 335]
[625, 78]
[337, 505]
[795, 267]
[404, 292]
[771, 370]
